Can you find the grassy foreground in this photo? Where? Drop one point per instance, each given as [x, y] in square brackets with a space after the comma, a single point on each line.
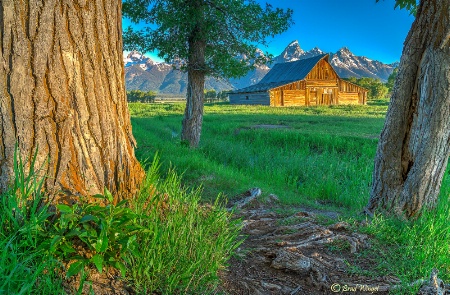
[320, 157]
[163, 241]
[173, 238]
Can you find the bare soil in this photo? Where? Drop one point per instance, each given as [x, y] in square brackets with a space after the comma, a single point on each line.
[288, 251]
[304, 251]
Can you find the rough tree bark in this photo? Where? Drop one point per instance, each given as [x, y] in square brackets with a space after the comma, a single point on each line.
[414, 145]
[193, 114]
[62, 93]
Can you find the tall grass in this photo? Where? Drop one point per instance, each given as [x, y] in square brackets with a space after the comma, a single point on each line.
[410, 249]
[185, 244]
[164, 241]
[25, 264]
[325, 154]
[321, 157]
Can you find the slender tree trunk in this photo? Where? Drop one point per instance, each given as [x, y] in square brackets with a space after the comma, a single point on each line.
[193, 114]
[414, 145]
[62, 93]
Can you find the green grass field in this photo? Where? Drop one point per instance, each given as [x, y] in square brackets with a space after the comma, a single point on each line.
[302, 155]
[175, 235]
[320, 157]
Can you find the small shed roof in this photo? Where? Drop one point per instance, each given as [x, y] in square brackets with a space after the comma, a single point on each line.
[284, 73]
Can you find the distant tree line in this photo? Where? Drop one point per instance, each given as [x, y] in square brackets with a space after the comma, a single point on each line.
[211, 95]
[377, 89]
[141, 96]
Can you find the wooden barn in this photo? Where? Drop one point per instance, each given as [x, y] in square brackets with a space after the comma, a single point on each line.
[306, 82]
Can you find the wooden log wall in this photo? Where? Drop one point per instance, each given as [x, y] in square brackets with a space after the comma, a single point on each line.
[257, 98]
[348, 97]
[345, 86]
[322, 71]
[322, 86]
[294, 98]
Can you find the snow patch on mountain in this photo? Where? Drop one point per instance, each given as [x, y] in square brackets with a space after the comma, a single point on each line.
[143, 73]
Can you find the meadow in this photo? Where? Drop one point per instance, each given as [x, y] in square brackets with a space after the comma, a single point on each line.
[176, 235]
[303, 155]
[320, 157]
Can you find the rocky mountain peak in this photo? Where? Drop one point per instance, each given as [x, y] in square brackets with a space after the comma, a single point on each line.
[145, 74]
[344, 51]
[291, 53]
[316, 50]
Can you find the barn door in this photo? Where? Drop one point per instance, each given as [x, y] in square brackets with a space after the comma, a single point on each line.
[313, 97]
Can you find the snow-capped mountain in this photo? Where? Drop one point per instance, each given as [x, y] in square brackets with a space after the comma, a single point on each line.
[292, 52]
[144, 74]
[346, 64]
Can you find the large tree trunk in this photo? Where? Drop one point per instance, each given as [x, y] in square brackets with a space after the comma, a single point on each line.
[62, 93]
[414, 145]
[193, 114]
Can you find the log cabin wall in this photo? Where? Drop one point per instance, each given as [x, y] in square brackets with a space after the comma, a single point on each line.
[255, 98]
[317, 83]
[320, 87]
[350, 93]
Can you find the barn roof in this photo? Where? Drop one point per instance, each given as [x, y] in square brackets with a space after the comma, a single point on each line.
[284, 73]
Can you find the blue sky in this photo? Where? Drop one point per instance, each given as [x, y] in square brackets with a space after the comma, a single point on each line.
[367, 28]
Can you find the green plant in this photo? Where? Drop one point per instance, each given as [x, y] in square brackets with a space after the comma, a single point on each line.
[324, 157]
[25, 265]
[412, 249]
[185, 243]
[92, 233]
[338, 245]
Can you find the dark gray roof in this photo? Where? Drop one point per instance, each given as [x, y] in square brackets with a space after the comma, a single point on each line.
[284, 73]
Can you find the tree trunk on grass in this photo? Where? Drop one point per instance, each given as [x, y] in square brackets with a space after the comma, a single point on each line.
[193, 114]
[414, 145]
[62, 93]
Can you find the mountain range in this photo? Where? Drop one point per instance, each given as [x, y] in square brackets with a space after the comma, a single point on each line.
[142, 73]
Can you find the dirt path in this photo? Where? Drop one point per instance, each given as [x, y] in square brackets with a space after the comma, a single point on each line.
[298, 253]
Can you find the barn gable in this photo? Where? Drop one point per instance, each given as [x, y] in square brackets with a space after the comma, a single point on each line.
[311, 81]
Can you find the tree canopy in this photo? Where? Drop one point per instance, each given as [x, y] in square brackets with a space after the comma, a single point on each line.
[204, 37]
[391, 79]
[231, 30]
[377, 89]
[141, 96]
[410, 5]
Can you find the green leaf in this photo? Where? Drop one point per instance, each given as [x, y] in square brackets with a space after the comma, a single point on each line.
[108, 195]
[73, 233]
[119, 265]
[68, 216]
[88, 218]
[66, 248]
[54, 243]
[99, 196]
[97, 259]
[75, 268]
[64, 208]
[102, 242]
